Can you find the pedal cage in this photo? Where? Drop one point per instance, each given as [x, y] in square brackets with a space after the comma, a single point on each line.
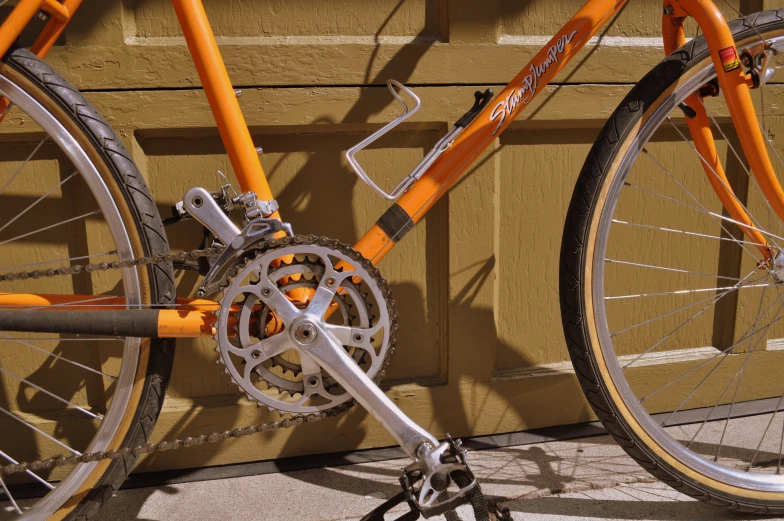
[451, 467]
[447, 465]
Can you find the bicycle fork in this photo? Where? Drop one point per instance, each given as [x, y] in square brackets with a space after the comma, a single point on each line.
[735, 85]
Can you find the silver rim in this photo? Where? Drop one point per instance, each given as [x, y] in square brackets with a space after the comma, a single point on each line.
[700, 364]
[123, 380]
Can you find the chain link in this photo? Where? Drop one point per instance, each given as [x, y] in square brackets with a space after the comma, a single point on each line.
[190, 441]
[217, 436]
[76, 269]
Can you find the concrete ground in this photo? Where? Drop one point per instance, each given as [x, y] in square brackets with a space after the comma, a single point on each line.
[586, 478]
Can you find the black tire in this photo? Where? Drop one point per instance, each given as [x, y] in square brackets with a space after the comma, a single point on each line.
[143, 223]
[576, 266]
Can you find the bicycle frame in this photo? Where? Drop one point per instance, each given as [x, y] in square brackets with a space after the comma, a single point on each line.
[195, 317]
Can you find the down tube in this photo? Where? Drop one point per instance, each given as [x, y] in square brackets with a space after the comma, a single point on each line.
[499, 113]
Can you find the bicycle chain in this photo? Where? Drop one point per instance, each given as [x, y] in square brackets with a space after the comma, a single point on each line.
[214, 437]
[76, 269]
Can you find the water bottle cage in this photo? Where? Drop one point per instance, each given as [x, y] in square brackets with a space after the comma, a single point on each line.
[440, 147]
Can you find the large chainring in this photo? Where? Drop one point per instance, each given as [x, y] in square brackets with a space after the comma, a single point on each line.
[255, 346]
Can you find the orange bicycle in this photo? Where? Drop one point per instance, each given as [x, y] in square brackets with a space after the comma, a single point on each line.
[677, 209]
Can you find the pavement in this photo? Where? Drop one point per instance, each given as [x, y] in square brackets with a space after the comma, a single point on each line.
[585, 478]
[588, 478]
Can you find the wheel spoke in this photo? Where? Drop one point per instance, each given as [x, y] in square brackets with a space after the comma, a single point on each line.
[692, 291]
[682, 324]
[723, 359]
[729, 415]
[669, 313]
[765, 433]
[717, 176]
[27, 160]
[34, 203]
[4, 337]
[51, 394]
[10, 497]
[716, 217]
[676, 270]
[39, 431]
[692, 234]
[724, 352]
[55, 225]
[742, 162]
[739, 375]
[30, 473]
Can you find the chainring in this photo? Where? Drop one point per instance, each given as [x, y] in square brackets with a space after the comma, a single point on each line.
[254, 345]
[302, 276]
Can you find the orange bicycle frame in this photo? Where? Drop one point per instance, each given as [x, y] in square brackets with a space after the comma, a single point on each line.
[196, 317]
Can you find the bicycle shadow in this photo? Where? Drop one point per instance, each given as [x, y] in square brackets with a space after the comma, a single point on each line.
[653, 501]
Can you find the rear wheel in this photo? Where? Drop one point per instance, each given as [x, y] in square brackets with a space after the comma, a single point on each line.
[675, 331]
[70, 194]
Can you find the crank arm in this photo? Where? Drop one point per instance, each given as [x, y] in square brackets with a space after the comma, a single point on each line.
[436, 465]
[331, 355]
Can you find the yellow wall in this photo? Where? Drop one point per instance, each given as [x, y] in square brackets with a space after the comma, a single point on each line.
[481, 348]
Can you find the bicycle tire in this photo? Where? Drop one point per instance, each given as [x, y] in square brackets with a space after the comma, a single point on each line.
[143, 223]
[577, 261]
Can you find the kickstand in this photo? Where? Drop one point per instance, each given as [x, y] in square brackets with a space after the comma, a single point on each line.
[378, 513]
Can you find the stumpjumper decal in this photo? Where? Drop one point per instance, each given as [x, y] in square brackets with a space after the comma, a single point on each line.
[530, 83]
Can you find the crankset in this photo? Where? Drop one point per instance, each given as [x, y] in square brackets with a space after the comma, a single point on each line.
[282, 299]
[306, 327]
[288, 351]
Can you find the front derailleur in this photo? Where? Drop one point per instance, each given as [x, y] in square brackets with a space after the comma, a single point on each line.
[209, 209]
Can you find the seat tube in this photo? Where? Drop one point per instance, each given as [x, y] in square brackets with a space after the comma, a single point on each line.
[222, 98]
[735, 88]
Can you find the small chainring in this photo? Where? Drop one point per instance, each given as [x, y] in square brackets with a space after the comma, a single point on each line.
[254, 344]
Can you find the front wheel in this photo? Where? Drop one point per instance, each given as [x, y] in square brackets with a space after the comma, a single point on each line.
[675, 330]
